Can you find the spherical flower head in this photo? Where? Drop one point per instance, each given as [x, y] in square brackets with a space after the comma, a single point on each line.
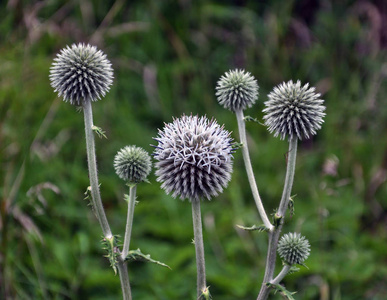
[293, 248]
[132, 164]
[81, 73]
[237, 90]
[194, 158]
[294, 110]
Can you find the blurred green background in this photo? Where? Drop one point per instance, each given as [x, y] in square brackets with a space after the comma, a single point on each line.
[167, 56]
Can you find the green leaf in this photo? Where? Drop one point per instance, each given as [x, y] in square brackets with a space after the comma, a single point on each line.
[282, 290]
[205, 294]
[260, 228]
[137, 255]
[251, 119]
[110, 245]
[99, 131]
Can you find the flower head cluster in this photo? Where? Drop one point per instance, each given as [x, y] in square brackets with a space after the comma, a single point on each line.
[132, 164]
[81, 73]
[294, 110]
[293, 248]
[237, 90]
[194, 158]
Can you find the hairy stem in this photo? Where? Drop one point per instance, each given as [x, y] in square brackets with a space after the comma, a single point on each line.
[129, 220]
[249, 170]
[93, 174]
[124, 279]
[285, 270]
[274, 235]
[199, 247]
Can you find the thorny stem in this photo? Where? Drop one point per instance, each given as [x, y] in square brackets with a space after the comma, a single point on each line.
[274, 235]
[129, 220]
[249, 170]
[96, 197]
[199, 247]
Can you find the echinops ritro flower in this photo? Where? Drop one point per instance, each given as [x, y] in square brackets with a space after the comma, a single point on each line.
[132, 164]
[293, 248]
[81, 73]
[194, 158]
[294, 110]
[237, 90]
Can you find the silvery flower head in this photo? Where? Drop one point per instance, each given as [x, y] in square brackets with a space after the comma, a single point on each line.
[132, 164]
[237, 90]
[293, 248]
[294, 110]
[194, 158]
[81, 73]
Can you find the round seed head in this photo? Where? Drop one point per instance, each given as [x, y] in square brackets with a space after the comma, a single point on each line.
[294, 110]
[293, 248]
[194, 158]
[237, 90]
[81, 73]
[132, 164]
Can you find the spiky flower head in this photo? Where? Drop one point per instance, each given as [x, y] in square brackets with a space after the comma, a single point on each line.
[132, 164]
[194, 158]
[81, 73]
[294, 110]
[293, 248]
[237, 90]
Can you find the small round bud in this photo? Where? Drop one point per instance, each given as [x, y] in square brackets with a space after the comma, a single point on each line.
[293, 248]
[81, 73]
[237, 90]
[194, 158]
[132, 164]
[294, 110]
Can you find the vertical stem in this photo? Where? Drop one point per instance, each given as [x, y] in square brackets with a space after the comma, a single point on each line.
[129, 220]
[274, 236]
[93, 174]
[124, 279]
[199, 247]
[249, 169]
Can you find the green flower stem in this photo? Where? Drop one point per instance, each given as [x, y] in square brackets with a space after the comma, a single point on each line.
[199, 247]
[96, 197]
[124, 279]
[249, 169]
[93, 175]
[129, 220]
[274, 235]
[285, 270]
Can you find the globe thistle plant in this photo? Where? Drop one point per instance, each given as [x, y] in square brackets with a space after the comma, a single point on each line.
[132, 164]
[237, 90]
[293, 248]
[194, 158]
[294, 110]
[81, 73]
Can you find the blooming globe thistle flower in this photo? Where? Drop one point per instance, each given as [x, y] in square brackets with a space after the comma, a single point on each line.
[132, 164]
[81, 73]
[294, 110]
[194, 158]
[237, 90]
[293, 248]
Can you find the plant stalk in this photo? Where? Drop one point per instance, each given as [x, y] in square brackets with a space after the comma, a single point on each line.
[124, 279]
[249, 170]
[199, 247]
[129, 220]
[274, 235]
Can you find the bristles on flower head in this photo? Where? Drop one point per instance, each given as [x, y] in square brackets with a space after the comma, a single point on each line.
[293, 248]
[294, 110]
[81, 73]
[132, 164]
[237, 90]
[194, 158]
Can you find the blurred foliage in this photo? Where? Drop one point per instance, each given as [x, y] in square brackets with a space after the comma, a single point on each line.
[168, 56]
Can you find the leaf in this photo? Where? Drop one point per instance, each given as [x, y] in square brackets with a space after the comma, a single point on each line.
[99, 131]
[137, 255]
[205, 294]
[260, 228]
[282, 290]
[110, 245]
[251, 119]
